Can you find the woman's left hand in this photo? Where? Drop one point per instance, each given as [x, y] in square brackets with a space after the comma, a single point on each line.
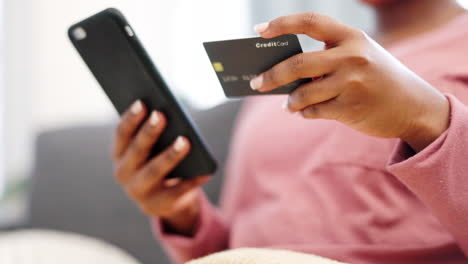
[363, 86]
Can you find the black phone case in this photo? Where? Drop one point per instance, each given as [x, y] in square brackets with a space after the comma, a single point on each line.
[122, 67]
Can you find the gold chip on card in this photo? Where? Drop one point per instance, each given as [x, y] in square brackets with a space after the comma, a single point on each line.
[218, 66]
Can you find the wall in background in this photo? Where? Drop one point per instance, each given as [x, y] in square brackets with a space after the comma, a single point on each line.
[2, 100]
[464, 3]
[17, 95]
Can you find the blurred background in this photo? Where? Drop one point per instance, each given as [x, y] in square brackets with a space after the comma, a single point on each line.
[55, 118]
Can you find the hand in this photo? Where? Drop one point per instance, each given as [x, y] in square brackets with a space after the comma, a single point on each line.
[174, 200]
[363, 86]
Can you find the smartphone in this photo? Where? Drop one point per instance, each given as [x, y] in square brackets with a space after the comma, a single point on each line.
[110, 48]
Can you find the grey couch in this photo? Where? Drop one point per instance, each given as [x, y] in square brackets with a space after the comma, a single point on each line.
[73, 188]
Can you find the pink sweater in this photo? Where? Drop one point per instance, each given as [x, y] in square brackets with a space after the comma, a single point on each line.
[322, 188]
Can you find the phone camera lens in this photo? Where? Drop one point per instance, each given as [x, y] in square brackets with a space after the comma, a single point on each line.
[79, 33]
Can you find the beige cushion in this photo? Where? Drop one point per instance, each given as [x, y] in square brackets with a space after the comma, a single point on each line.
[261, 256]
[52, 247]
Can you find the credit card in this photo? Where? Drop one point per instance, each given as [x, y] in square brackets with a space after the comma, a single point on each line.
[238, 61]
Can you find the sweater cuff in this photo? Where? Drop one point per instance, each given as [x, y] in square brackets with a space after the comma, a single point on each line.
[210, 234]
[404, 159]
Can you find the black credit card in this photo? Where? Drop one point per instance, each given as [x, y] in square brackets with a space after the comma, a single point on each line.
[238, 61]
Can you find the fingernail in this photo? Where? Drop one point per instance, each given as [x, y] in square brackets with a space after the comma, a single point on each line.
[285, 106]
[154, 119]
[261, 28]
[257, 82]
[136, 107]
[179, 144]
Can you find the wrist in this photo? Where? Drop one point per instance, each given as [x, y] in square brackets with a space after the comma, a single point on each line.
[429, 125]
[183, 221]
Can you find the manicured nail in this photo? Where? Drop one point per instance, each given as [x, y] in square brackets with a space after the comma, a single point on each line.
[285, 106]
[154, 119]
[257, 82]
[261, 28]
[172, 182]
[179, 144]
[136, 107]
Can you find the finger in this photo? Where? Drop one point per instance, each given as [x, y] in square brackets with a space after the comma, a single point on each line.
[304, 65]
[312, 93]
[326, 110]
[152, 175]
[125, 131]
[140, 148]
[315, 25]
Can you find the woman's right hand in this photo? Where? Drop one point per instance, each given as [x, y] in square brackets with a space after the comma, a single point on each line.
[175, 201]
